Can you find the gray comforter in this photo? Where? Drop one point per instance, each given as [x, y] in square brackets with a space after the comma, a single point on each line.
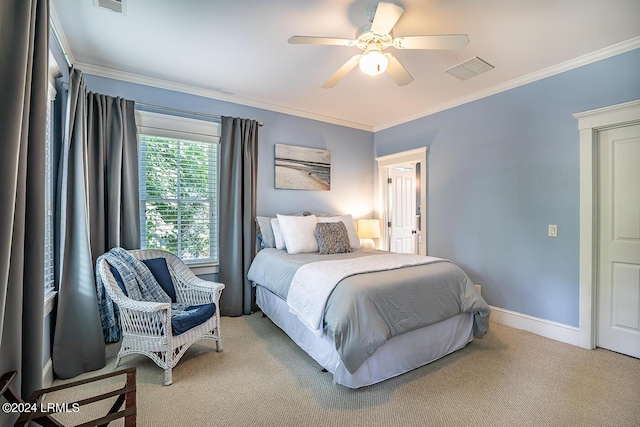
[366, 310]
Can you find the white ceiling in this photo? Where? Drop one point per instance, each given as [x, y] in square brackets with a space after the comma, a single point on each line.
[238, 51]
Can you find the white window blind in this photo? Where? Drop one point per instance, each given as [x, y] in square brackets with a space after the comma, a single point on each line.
[49, 279]
[179, 192]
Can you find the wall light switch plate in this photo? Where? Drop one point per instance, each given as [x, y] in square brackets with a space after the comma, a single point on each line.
[553, 230]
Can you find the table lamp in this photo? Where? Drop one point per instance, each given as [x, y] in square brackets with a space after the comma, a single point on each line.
[368, 229]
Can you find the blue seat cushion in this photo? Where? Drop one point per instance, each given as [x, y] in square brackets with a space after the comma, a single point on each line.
[159, 269]
[190, 317]
[119, 280]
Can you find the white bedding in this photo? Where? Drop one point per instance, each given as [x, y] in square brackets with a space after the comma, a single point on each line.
[313, 283]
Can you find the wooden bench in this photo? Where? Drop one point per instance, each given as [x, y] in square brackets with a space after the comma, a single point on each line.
[126, 395]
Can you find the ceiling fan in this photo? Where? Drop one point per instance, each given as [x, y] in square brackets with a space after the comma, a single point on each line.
[376, 36]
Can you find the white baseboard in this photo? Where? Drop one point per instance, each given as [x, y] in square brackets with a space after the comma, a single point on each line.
[47, 374]
[546, 328]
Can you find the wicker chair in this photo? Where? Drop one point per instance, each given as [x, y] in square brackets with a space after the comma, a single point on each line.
[146, 326]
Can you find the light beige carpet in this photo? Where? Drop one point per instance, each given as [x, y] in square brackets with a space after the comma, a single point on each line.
[508, 378]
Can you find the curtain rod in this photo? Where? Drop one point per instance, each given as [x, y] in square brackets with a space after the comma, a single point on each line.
[176, 110]
[56, 38]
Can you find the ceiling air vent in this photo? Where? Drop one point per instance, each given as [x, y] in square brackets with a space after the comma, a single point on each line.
[469, 69]
[117, 6]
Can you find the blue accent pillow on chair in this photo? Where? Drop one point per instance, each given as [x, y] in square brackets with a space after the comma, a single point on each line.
[191, 317]
[159, 269]
[119, 280]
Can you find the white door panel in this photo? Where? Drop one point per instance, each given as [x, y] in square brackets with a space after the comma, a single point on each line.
[403, 184]
[626, 295]
[619, 241]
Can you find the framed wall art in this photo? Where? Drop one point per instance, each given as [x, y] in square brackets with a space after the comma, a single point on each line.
[302, 168]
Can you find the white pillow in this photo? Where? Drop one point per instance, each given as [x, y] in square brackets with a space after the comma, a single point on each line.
[354, 240]
[277, 235]
[298, 232]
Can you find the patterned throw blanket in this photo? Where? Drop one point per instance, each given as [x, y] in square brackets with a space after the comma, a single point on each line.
[140, 284]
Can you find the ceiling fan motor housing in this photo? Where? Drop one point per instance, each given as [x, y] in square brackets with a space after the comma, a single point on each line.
[365, 37]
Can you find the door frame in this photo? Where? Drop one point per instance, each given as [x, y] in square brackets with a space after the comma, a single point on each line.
[590, 123]
[418, 155]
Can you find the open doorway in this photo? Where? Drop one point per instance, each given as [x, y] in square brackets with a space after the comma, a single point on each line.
[402, 184]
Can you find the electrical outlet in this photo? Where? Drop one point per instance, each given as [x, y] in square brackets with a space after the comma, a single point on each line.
[553, 230]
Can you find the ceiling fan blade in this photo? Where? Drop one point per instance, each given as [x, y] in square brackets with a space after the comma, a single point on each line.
[449, 41]
[342, 71]
[387, 14]
[397, 72]
[321, 40]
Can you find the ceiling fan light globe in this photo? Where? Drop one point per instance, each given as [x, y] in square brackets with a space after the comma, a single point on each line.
[373, 62]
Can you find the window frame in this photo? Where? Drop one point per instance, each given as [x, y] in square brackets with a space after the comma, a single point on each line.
[165, 125]
[49, 285]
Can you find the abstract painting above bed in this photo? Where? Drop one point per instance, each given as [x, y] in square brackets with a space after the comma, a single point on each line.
[302, 168]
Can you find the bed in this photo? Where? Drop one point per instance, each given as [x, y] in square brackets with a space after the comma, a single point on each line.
[364, 315]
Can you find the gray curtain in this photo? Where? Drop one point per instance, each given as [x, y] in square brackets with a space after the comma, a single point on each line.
[97, 210]
[238, 181]
[24, 49]
[112, 147]
[77, 345]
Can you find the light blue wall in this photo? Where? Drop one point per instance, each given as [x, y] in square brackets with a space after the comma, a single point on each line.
[352, 163]
[501, 169]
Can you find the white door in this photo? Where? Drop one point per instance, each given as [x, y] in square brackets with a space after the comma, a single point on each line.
[403, 209]
[619, 241]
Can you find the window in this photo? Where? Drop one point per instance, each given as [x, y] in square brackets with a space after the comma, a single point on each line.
[49, 270]
[178, 172]
[49, 282]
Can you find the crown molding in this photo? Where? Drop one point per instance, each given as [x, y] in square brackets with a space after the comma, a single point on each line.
[580, 61]
[193, 90]
[213, 94]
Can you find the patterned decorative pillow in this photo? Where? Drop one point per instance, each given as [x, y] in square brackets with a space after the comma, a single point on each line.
[351, 229]
[332, 238]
